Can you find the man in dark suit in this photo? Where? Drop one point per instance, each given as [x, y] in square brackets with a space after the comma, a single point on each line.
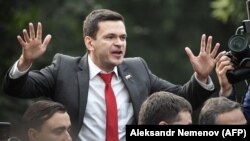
[74, 81]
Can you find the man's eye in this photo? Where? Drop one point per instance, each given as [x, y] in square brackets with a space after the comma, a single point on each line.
[123, 38]
[109, 37]
[69, 129]
[59, 131]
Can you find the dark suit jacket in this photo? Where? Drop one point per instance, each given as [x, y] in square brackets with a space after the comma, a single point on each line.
[66, 81]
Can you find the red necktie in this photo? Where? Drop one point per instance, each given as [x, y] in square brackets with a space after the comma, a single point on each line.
[111, 109]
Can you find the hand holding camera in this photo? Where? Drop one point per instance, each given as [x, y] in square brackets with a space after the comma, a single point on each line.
[240, 57]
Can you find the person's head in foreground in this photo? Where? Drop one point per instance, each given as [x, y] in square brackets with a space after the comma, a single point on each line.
[46, 121]
[221, 111]
[165, 108]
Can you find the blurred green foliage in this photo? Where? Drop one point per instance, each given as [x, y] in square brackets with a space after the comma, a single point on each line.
[158, 31]
[229, 10]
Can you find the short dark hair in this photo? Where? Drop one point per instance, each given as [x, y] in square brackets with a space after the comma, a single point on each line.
[90, 24]
[162, 106]
[40, 111]
[215, 106]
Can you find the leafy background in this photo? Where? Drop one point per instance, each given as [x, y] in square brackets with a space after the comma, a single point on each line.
[158, 31]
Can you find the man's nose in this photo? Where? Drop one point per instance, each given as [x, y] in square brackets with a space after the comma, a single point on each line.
[68, 137]
[119, 42]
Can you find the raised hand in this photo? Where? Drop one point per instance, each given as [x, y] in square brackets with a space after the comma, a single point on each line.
[32, 46]
[204, 63]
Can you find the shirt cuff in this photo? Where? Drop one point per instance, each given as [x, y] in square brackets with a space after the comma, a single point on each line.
[15, 73]
[209, 86]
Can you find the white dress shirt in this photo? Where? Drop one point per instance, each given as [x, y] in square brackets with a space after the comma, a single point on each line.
[94, 121]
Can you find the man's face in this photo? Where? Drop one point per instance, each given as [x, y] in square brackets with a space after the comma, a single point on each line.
[54, 129]
[108, 49]
[234, 117]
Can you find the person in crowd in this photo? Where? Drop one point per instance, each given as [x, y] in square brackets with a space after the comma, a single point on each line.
[221, 111]
[224, 65]
[165, 108]
[102, 90]
[46, 120]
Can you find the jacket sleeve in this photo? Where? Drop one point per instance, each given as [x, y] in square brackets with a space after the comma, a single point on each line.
[191, 90]
[33, 84]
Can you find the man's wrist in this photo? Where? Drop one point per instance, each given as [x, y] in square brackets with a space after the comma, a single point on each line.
[201, 79]
[16, 73]
[23, 64]
[226, 92]
[209, 85]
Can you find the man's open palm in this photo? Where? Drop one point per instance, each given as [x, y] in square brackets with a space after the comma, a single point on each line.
[32, 45]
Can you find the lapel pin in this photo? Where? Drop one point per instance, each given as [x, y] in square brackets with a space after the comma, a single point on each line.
[128, 76]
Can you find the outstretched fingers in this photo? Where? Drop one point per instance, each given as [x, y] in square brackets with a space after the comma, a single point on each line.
[203, 43]
[20, 40]
[47, 40]
[215, 50]
[26, 36]
[189, 53]
[32, 31]
[209, 44]
[39, 31]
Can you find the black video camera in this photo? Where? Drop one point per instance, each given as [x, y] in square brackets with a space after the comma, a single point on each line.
[239, 52]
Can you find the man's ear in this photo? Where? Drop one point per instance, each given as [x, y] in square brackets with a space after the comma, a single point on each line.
[163, 123]
[33, 134]
[89, 43]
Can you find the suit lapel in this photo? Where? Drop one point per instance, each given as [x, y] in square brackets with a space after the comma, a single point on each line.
[83, 79]
[129, 80]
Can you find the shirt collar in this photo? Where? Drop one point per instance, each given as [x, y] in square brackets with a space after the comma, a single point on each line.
[94, 69]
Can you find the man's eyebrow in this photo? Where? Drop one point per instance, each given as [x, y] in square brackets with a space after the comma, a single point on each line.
[59, 128]
[62, 127]
[116, 34]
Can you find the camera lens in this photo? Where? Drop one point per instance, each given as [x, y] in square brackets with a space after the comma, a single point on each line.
[238, 44]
